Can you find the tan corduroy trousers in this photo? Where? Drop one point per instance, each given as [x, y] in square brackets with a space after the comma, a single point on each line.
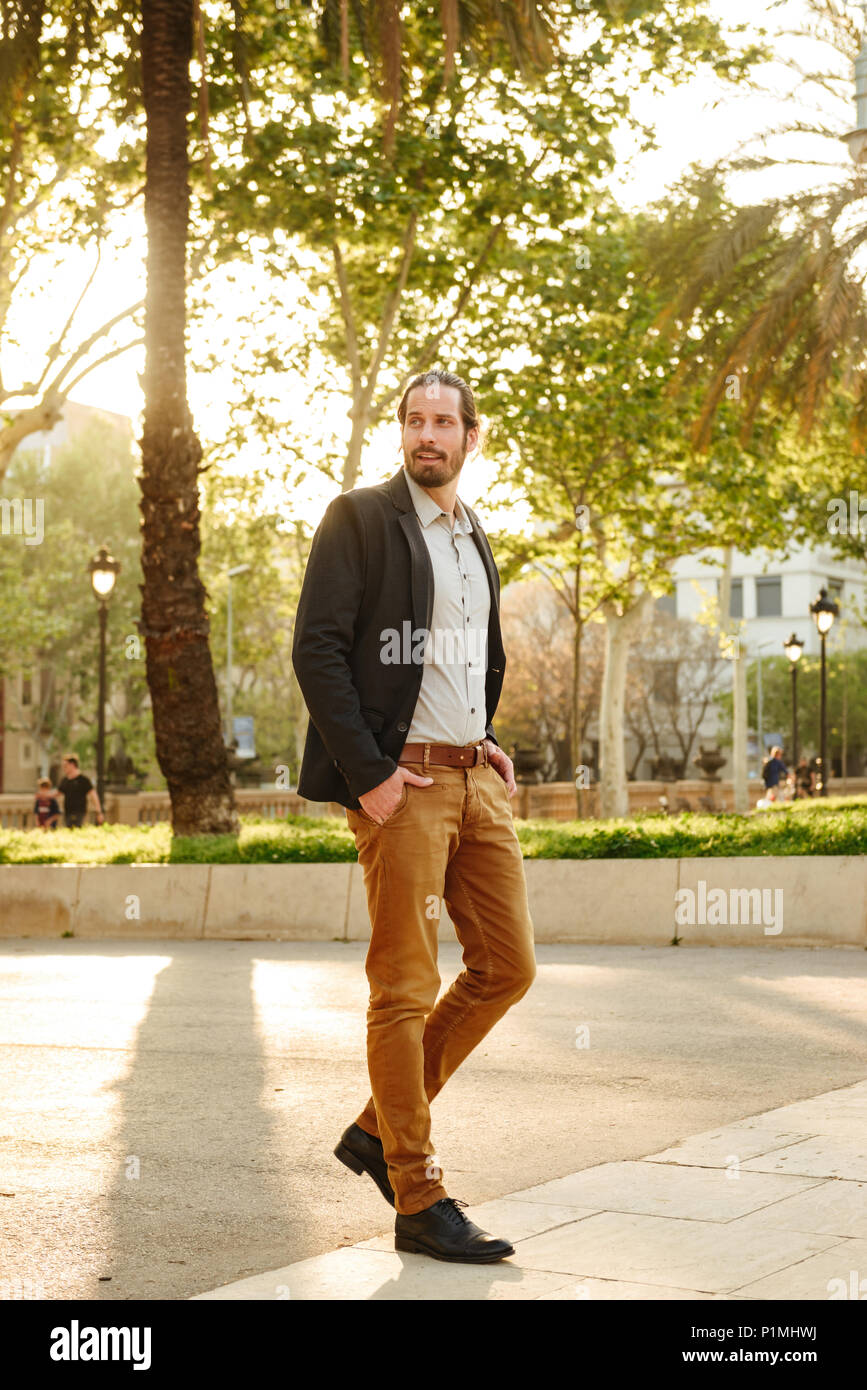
[453, 842]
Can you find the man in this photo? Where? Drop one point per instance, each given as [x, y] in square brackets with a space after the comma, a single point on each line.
[78, 793]
[400, 734]
[774, 771]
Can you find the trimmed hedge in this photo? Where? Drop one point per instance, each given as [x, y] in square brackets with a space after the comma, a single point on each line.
[837, 825]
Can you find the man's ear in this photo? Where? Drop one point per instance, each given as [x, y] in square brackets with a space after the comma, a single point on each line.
[472, 438]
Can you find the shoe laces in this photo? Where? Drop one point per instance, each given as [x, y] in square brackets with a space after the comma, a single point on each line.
[454, 1209]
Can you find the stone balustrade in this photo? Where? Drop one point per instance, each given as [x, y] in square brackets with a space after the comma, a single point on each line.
[545, 800]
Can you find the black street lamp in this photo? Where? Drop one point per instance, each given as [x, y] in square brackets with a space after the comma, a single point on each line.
[793, 649]
[103, 570]
[824, 610]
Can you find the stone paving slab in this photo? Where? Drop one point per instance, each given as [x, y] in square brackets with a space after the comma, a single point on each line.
[769, 1208]
[705, 1256]
[727, 1146]
[835, 1207]
[839, 1272]
[653, 1189]
[352, 1273]
[825, 1156]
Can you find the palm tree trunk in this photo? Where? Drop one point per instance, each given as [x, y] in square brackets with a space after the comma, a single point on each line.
[180, 675]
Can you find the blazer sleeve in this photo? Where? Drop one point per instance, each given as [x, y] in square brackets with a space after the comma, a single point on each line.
[331, 595]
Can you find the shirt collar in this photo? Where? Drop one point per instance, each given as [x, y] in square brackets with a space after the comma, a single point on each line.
[428, 510]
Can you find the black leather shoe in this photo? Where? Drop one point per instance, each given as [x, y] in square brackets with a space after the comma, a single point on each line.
[445, 1233]
[362, 1153]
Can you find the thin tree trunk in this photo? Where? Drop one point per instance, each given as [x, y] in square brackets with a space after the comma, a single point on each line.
[729, 630]
[739, 730]
[180, 674]
[578, 630]
[613, 793]
[844, 752]
[354, 450]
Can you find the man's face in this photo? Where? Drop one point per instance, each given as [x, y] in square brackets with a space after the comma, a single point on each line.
[69, 769]
[434, 447]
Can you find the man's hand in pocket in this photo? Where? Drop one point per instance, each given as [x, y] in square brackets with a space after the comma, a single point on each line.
[502, 763]
[380, 802]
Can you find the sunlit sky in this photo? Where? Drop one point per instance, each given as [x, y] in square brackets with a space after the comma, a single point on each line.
[700, 121]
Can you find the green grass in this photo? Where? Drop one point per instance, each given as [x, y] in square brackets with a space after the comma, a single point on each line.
[835, 826]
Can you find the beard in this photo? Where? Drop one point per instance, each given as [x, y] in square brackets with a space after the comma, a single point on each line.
[431, 474]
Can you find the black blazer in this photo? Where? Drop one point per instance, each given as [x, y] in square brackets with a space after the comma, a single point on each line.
[369, 569]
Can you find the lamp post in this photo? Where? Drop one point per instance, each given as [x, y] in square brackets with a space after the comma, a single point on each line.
[824, 611]
[103, 570]
[238, 569]
[793, 648]
[857, 139]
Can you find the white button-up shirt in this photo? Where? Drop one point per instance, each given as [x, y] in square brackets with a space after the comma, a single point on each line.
[451, 706]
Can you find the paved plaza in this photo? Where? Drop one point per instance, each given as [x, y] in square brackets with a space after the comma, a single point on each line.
[648, 1122]
[772, 1208]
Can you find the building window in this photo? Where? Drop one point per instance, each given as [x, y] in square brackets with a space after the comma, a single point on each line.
[769, 597]
[667, 603]
[736, 603]
[835, 588]
[27, 690]
[26, 754]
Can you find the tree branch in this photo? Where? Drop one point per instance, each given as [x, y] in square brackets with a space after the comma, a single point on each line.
[348, 321]
[392, 305]
[106, 357]
[84, 348]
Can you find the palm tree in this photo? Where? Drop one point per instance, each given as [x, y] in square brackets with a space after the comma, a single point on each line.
[771, 305]
[524, 32]
[189, 739]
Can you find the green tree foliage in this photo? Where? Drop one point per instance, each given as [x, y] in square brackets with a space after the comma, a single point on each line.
[402, 214]
[240, 527]
[586, 433]
[48, 615]
[69, 161]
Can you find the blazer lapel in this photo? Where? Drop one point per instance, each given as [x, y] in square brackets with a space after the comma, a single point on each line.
[422, 572]
[422, 579]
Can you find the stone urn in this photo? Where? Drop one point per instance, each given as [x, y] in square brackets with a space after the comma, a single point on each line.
[528, 763]
[709, 761]
[124, 778]
[664, 769]
[247, 772]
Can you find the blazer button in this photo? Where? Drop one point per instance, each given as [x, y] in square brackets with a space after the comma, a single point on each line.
[402, 728]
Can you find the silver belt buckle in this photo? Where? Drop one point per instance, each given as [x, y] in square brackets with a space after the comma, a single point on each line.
[480, 748]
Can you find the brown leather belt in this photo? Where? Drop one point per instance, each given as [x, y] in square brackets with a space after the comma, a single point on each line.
[444, 754]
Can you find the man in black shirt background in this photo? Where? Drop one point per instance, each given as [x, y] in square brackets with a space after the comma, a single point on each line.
[77, 791]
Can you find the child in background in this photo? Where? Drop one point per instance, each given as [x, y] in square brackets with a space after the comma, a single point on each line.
[46, 807]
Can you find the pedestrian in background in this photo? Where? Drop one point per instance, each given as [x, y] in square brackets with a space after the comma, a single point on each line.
[774, 771]
[46, 807]
[804, 780]
[78, 793]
